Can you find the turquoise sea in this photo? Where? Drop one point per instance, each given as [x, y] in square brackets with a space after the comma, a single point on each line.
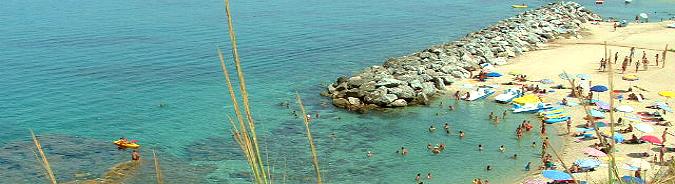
[84, 73]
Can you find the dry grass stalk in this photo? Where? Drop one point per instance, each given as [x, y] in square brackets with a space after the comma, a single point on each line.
[612, 170]
[245, 135]
[158, 170]
[315, 158]
[44, 162]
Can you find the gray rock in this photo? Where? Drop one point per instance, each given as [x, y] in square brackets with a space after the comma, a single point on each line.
[406, 92]
[386, 99]
[341, 102]
[354, 101]
[399, 103]
[416, 84]
[389, 82]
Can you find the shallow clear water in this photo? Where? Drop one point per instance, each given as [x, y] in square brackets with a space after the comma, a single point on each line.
[84, 73]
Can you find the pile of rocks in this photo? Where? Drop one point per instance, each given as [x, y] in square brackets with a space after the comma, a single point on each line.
[414, 78]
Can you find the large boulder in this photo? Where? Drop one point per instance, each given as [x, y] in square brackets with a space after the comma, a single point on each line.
[403, 92]
[386, 99]
[398, 103]
[341, 102]
[354, 101]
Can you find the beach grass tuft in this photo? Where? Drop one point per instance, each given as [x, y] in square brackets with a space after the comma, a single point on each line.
[158, 169]
[310, 139]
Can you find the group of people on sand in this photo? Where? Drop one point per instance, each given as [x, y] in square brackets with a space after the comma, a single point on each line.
[628, 61]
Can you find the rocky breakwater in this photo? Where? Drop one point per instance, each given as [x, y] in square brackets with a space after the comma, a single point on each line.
[415, 78]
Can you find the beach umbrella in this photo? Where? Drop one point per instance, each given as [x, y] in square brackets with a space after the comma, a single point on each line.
[632, 180]
[667, 94]
[565, 76]
[602, 105]
[584, 129]
[493, 74]
[630, 77]
[599, 88]
[588, 163]
[664, 106]
[644, 16]
[651, 139]
[597, 114]
[556, 175]
[583, 76]
[594, 152]
[644, 128]
[624, 108]
[618, 138]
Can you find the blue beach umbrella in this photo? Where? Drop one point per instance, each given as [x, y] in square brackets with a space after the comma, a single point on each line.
[596, 113]
[601, 124]
[663, 106]
[618, 138]
[546, 81]
[493, 74]
[583, 76]
[588, 163]
[599, 88]
[632, 180]
[556, 175]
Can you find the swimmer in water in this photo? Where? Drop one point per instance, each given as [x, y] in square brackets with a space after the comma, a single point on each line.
[514, 157]
[429, 176]
[370, 154]
[488, 168]
[429, 146]
[504, 114]
[534, 144]
[432, 129]
[461, 134]
[492, 115]
[480, 147]
[502, 149]
[497, 119]
[446, 126]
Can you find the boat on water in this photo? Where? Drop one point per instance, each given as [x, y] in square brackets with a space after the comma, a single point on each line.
[532, 107]
[480, 93]
[599, 1]
[509, 95]
[125, 144]
[519, 6]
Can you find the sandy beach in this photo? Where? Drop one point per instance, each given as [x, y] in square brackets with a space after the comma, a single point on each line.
[582, 56]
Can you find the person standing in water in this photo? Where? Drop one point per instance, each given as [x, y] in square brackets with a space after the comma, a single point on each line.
[135, 156]
[418, 177]
[429, 175]
[432, 129]
[504, 114]
[461, 134]
[480, 147]
[492, 115]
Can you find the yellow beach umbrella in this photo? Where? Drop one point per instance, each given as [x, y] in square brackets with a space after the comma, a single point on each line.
[667, 94]
[630, 77]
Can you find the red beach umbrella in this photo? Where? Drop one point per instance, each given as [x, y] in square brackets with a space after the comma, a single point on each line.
[651, 139]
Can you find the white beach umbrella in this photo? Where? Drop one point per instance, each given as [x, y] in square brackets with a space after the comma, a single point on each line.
[624, 108]
[644, 15]
[644, 128]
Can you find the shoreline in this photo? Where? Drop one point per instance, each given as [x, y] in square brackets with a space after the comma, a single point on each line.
[415, 78]
[643, 36]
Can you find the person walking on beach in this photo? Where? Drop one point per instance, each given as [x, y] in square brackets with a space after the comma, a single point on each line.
[624, 65]
[615, 26]
[662, 153]
[637, 66]
[657, 60]
[569, 126]
[632, 53]
[645, 62]
[603, 64]
[616, 57]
